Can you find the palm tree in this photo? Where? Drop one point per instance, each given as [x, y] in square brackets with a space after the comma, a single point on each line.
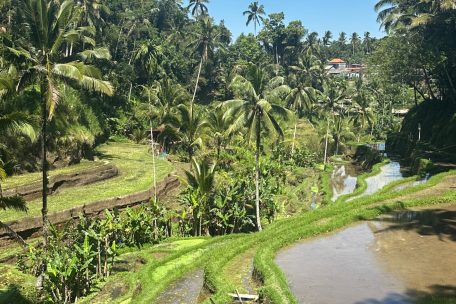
[342, 38]
[367, 42]
[219, 127]
[303, 95]
[354, 41]
[340, 132]
[92, 12]
[50, 25]
[201, 179]
[198, 7]
[190, 129]
[327, 38]
[331, 99]
[312, 41]
[205, 43]
[254, 109]
[255, 13]
[389, 13]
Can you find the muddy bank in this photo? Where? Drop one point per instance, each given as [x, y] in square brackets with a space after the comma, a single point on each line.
[395, 259]
[31, 227]
[34, 190]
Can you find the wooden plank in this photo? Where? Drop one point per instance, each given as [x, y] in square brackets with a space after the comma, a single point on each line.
[244, 297]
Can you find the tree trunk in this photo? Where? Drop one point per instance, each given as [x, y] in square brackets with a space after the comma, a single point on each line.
[326, 142]
[44, 164]
[197, 81]
[154, 171]
[428, 84]
[277, 55]
[257, 176]
[294, 139]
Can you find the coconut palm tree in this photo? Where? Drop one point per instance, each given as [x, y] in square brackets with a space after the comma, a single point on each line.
[255, 14]
[190, 126]
[219, 128]
[204, 44]
[331, 103]
[367, 42]
[50, 24]
[201, 179]
[254, 109]
[327, 38]
[395, 14]
[342, 38]
[354, 41]
[198, 7]
[302, 97]
[312, 41]
[340, 132]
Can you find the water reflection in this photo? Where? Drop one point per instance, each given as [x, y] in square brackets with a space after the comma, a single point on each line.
[388, 173]
[343, 180]
[400, 258]
[339, 268]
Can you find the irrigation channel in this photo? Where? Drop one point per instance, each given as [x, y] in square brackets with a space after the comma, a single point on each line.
[393, 259]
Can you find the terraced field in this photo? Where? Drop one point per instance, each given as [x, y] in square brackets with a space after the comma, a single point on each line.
[227, 259]
[228, 262]
[135, 175]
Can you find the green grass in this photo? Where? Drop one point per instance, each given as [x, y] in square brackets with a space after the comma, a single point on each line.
[16, 287]
[135, 175]
[28, 178]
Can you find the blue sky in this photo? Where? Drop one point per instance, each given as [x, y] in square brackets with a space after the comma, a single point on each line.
[316, 15]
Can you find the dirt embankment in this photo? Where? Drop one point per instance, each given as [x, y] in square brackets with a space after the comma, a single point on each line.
[33, 190]
[31, 227]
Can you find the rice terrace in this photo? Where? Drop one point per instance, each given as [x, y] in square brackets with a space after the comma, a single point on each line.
[215, 151]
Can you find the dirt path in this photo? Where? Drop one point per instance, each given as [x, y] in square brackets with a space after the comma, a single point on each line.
[184, 291]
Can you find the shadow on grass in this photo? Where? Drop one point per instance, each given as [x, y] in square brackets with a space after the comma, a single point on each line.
[439, 294]
[14, 294]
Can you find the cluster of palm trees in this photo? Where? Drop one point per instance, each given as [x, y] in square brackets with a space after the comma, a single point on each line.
[45, 58]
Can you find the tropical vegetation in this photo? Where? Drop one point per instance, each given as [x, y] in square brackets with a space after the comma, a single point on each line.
[224, 144]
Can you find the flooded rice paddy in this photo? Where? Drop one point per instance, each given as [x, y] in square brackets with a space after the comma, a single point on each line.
[392, 260]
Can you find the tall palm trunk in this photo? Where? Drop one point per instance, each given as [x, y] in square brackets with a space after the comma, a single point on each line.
[44, 164]
[154, 171]
[294, 139]
[197, 80]
[257, 175]
[326, 142]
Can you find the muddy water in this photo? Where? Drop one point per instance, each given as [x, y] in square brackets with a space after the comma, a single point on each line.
[343, 180]
[391, 260]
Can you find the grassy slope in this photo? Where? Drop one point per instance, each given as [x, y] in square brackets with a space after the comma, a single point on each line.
[135, 166]
[23, 179]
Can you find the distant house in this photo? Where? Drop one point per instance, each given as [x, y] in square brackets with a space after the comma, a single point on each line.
[400, 112]
[338, 64]
[338, 67]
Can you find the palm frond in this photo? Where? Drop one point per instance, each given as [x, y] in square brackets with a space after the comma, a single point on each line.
[16, 237]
